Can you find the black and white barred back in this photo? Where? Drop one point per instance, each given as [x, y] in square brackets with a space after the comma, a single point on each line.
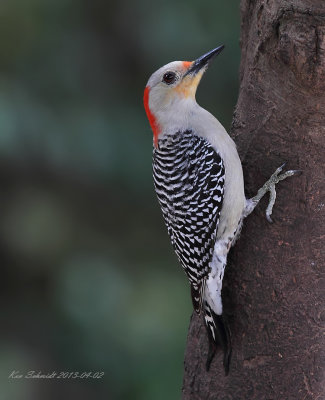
[189, 181]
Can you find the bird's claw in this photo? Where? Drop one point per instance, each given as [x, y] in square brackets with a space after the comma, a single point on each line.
[278, 170]
[269, 219]
[269, 186]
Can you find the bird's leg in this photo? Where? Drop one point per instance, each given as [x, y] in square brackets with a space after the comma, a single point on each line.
[268, 186]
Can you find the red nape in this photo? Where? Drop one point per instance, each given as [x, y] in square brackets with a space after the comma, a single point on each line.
[152, 119]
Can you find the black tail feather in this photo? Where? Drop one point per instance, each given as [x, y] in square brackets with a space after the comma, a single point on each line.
[211, 353]
[219, 336]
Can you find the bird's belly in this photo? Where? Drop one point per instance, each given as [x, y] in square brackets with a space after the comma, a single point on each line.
[233, 205]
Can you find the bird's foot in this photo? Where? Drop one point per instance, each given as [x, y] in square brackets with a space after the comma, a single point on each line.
[269, 186]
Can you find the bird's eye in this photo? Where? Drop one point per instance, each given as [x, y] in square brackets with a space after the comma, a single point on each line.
[169, 77]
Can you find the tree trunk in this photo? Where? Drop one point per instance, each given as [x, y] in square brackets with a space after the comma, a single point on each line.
[274, 285]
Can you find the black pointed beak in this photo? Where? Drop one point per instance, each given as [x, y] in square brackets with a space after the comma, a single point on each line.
[204, 60]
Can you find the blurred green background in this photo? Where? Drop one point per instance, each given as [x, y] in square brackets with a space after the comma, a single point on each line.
[89, 281]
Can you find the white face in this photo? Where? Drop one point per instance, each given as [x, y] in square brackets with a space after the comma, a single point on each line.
[169, 97]
[171, 83]
[178, 68]
[171, 89]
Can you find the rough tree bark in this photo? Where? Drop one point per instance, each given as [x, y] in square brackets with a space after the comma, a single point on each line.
[274, 285]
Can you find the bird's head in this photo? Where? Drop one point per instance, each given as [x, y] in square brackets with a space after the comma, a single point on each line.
[172, 88]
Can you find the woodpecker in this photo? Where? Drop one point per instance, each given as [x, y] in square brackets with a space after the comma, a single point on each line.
[199, 183]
